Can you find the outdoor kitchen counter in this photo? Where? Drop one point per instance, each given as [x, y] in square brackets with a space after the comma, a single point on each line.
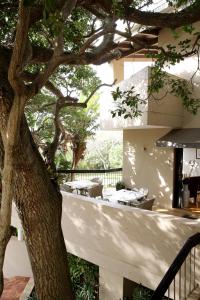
[190, 213]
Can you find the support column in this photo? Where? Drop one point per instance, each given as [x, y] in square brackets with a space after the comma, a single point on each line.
[110, 285]
[118, 69]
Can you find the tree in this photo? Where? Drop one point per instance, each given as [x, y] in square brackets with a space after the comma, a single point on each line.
[70, 124]
[104, 153]
[37, 37]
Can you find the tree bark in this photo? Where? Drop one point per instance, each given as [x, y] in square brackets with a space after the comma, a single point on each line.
[39, 205]
[78, 153]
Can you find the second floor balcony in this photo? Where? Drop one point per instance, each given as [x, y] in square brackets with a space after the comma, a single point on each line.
[162, 109]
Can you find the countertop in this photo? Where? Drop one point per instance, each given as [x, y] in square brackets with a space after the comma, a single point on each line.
[189, 213]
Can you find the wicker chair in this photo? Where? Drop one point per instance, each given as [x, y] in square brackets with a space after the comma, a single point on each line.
[97, 180]
[146, 204]
[95, 191]
[64, 187]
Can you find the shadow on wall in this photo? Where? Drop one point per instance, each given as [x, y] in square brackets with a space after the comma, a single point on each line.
[137, 244]
[150, 167]
[140, 83]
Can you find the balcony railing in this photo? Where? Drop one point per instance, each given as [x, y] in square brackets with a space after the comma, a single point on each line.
[125, 242]
[182, 269]
[109, 177]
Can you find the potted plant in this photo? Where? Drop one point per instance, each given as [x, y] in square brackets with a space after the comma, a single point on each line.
[120, 185]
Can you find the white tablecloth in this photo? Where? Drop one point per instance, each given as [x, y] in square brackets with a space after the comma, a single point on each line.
[81, 184]
[126, 196]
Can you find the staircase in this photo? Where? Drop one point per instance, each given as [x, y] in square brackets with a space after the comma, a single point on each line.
[181, 282]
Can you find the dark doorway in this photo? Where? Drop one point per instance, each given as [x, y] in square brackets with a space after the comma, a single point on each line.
[178, 177]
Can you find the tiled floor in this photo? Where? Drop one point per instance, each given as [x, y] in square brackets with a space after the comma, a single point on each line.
[14, 287]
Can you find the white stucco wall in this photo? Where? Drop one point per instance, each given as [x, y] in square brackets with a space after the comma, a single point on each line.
[184, 69]
[154, 166]
[16, 260]
[145, 165]
[128, 242]
[123, 241]
[187, 67]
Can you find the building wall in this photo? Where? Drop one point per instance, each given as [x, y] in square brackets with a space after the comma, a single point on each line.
[125, 242]
[118, 70]
[145, 165]
[184, 69]
[153, 167]
[16, 260]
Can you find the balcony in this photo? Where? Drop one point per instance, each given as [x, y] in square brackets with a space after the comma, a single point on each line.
[125, 242]
[166, 112]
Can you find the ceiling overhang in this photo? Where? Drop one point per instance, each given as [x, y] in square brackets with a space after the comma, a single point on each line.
[181, 138]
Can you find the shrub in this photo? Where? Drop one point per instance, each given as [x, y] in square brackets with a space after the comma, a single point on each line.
[142, 293]
[84, 277]
[120, 185]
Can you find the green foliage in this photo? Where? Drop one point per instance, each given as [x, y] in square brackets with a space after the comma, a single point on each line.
[62, 161]
[77, 123]
[102, 154]
[120, 185]
[84, 277]
[142, 293]
[8, 20]
[75, 29]
[81, 122]
[32, 296]
[118, 8]
[179, 3]
[183, 90]
[127, 103]
[171, 56]
[81, 80]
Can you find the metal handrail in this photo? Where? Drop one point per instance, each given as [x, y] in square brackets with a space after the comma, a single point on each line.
[89, 171]
[163, 286]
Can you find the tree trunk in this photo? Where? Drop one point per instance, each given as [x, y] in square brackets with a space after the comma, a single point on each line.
[78, 154]
[39, 205]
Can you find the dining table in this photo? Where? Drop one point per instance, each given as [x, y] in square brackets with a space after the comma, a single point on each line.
[81, 186]
[127, 197]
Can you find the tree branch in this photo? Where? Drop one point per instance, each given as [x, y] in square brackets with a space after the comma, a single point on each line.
[17, 59]
[186, 16]
[97, 88]
[91, 39]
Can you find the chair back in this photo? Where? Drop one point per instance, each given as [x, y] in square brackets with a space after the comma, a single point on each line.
[96, 179]
[96, 191]
[64, 187]
[147, 204]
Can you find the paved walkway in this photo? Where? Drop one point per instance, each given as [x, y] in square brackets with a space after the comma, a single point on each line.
[13, 288]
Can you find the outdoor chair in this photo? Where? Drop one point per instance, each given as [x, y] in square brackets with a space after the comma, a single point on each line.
[95, 191]
[64, 187]
[96, 179]
[146, 204]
